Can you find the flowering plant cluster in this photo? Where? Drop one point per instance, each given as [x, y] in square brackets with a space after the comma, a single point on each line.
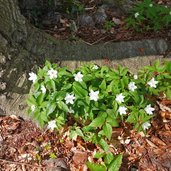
[146, 16]
[96, 99]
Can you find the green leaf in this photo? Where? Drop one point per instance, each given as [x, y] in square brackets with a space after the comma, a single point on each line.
[62, 106]
[43, 116]
[96, 167]
[168, 93]
[104, 144]
[66, 86]
[73, 135]
[168, 66]
[51, 108]
[107, 129]
[64, 72]
[31, 101]
[133, 117]
[99, 155]
[52, 156]
[116, 163]
[78, 90]
[108, 158]
[48, 64]
[103, 85]
[112, 121]
[111, 118]
[60, 121]
[40, 98]
[60, 95]
[79, 132]
[88, 77]
[52, 84]
[99, 121]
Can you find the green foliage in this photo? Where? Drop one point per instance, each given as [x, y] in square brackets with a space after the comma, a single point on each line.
[72, 6]
[115, 163]
[146, 16]
[111, 162]
[95, 167]
[108, 25]
[50, 2]
[101, 115]
[96, 99]
[52, 156]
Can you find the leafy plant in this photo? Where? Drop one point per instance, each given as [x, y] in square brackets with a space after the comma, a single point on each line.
[97, 99]
[108, 25]
[73, 6]
[50, 2]
[53, 156]
[146, 16]
[111, 162]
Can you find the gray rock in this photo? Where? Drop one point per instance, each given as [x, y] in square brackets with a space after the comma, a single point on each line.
[3, 41]
[100, 16]
[2, 59]
[2, 112]
[57, 2]
[31, 4]
[1, 73]
[86, 20]
[2, 100]
[119, 7]
[128, 4]
[52, 18]
[3, 86]
[58, 164]
[115, 9]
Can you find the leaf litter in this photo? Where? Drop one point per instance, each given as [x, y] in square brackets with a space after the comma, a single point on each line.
[24, 146]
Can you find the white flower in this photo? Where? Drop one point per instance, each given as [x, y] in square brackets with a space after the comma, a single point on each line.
[136, 14]
[33, 107]
[33, 77]
[152, 83]
[71, 110]
[127, 141]
[52, 125]
[119, 98]
[43, 89]
[122, 110]
[52, 73]
[146, 125]
[149, 110]
[69, 98]
[135, 77]
[132, 86]
[25, 156]
[95, 67]
[150, 5]
[78, 77]
[94, 95]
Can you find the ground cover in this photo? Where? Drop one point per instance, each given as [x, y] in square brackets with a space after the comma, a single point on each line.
[137, 137]
[24, 146]
[91, 21]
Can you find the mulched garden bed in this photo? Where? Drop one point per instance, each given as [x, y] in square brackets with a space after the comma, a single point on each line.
[26, 147]
[68, 27]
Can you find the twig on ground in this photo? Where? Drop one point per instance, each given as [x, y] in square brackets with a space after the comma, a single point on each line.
[95, 41]
[90, 8]
[22, 163]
